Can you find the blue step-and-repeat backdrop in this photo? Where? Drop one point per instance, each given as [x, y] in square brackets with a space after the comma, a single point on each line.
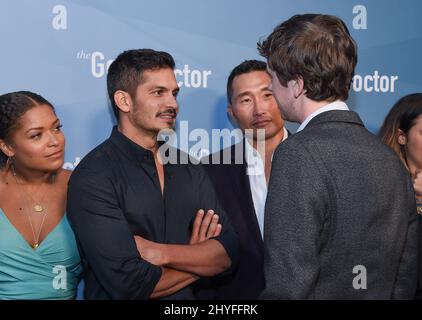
[61, 49]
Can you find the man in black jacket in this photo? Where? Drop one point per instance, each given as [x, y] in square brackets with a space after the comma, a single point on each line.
[240, 175]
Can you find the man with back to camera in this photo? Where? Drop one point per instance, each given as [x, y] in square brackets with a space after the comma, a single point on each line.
[340, 216]
[134, 217]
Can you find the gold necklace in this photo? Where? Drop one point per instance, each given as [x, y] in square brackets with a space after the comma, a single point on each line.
[37, 207]
[35, 235]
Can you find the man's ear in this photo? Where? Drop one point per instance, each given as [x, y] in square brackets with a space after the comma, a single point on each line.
[6, 148]
[401, 137]
[297, 86]
[231, 115]
[123, 100]
[230, 111]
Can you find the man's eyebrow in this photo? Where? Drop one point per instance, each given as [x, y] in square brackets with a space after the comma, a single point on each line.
[244, 93]
[159, 87]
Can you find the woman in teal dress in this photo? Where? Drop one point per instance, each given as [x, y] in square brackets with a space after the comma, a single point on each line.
[39, 258]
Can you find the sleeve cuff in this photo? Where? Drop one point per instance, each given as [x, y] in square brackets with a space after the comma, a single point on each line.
[229, 241]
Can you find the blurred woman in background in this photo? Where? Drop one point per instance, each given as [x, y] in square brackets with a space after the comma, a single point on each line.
[402, 131]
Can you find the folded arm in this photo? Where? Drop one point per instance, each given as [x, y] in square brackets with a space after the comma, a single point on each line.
[172, 281]
[203, 256]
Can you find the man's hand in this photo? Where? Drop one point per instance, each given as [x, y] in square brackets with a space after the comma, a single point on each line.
[152, 252]
[205, 226]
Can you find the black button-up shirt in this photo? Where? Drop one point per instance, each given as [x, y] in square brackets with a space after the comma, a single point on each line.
[114, 194]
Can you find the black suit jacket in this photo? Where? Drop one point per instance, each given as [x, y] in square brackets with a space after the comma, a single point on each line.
[233, 191]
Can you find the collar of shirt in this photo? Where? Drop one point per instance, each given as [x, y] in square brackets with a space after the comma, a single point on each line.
[336, 105]
[130, 148]
[255, 164]
[257, 182]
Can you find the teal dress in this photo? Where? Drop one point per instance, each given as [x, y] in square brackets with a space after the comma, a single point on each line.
[51, 271]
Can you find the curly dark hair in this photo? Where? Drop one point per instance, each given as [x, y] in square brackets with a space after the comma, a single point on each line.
[317, 48]
[12, 106]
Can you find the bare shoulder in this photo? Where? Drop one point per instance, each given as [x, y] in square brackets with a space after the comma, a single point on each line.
[63, 176]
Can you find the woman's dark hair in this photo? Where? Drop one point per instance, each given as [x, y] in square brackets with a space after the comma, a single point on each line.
[402, 116]
[12, 106]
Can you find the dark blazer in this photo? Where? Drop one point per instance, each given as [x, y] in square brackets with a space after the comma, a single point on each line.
[339, 203]
[233, 191]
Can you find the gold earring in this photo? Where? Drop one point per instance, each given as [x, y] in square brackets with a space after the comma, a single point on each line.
[402, 140]
[8, 162]
[9, 165]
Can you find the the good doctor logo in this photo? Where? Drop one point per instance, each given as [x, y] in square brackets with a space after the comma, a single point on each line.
[186, 77]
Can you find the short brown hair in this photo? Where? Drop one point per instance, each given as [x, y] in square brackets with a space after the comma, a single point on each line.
[317, 48]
